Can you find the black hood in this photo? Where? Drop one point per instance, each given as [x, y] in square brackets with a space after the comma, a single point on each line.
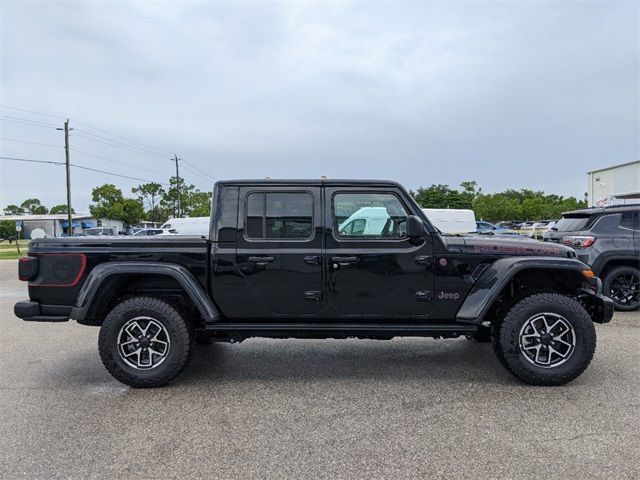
[505, 245]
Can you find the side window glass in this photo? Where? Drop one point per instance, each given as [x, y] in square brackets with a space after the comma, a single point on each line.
[369, 215]
[627, 220]
[279, 215]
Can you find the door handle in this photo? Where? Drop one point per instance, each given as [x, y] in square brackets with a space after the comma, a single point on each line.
[261, 260]
[312, 260]
[423, 259]
[344, 260]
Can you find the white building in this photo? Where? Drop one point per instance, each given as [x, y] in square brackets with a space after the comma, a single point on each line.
[614, 185]
[55, 225]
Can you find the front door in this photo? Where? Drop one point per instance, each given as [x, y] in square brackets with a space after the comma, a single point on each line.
[373, 268]
[279, 251]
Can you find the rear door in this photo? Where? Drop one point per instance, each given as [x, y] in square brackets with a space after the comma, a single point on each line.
[372, 268]
[279, 250]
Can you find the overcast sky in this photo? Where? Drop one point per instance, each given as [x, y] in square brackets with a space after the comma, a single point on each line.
[512, 95]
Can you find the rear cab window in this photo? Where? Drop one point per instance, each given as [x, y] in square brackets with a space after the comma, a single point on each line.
[279, 215]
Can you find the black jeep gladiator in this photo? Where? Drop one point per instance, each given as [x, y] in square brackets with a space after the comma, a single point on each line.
[317, 259]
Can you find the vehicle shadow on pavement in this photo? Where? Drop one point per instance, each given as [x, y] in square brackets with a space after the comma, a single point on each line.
[315, 360]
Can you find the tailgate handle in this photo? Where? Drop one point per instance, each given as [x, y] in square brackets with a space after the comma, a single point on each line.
[261, 260]
[344, 260]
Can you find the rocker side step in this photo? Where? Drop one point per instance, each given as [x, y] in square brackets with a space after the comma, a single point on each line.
[341, 329]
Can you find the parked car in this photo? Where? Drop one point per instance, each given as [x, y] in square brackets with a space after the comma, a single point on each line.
[509, 225]
[526, 228]
[607, 239]
[486, 227]
[538, 229]
[146, 232]
[99, 231]
[282, 260]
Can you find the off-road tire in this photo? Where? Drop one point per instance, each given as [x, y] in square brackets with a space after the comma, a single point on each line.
[506, 339]
[163, 313]
[610, 277]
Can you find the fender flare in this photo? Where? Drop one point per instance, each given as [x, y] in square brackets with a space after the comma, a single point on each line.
[187, 281]
[493, 280]
[605, 259]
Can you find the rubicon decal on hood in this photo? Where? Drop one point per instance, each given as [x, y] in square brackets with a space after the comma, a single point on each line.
[517, 249]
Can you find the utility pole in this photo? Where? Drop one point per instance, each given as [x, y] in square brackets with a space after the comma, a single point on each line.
[177, 183]
[68, 168]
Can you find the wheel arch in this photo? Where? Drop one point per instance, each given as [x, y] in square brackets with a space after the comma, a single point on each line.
[109, 281]
[619, 261]
[509, 278]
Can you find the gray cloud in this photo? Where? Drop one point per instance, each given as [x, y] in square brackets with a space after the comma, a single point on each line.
[508, 94]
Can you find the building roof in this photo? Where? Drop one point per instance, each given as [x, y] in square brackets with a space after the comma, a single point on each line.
[41, 218]
[615, 166]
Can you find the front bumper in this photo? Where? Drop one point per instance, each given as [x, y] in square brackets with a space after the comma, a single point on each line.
[31, 311]
[599, 307]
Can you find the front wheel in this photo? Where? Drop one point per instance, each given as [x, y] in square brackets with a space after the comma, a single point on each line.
[545, 339]
[144, 342]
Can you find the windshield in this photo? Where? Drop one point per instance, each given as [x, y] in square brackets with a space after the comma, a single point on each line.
[571, 224]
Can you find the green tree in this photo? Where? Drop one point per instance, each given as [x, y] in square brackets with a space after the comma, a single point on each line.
[58, 209]
[443, 196]
[132, 211]
[150, 195]
[13, 210]
[523, 205]
[7, 228]
[201, 204]
[33, 206]
[169, 201]
[110, 203]
[108, 200]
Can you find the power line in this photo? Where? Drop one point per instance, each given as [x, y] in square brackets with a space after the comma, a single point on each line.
[30, 160]
[107, 139]
[151, 147]
[30, 111]
[198, 169]
[26, 123]
[192, 171]
[30, 120]
[117, 162]
[124, 138]
[30, 143]
[118, 145]
[75, 165]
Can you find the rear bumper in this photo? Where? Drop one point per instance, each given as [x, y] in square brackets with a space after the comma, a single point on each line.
[31, 311]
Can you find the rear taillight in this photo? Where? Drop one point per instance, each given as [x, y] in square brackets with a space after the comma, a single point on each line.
[578, 241]
[60, 269]
[27, 268]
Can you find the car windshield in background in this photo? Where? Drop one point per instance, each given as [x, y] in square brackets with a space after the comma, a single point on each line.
[571, 224]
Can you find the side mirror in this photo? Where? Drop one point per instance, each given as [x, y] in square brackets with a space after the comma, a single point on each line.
[415, 227]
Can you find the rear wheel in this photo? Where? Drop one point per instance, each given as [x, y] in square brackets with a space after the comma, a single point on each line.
[622, 285]
[545, 339]
[144, 342]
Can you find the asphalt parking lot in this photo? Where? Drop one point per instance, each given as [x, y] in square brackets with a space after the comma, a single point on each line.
[407, 408]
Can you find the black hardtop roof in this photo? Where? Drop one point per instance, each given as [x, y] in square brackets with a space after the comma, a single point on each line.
[603, 210]
[312, 182]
